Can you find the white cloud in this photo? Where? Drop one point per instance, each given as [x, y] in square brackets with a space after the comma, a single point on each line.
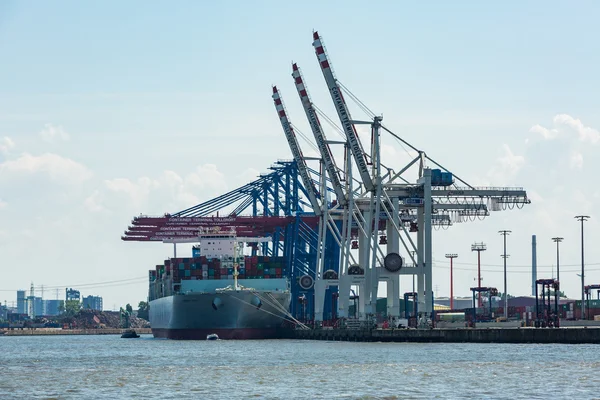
[52, 133]
[581, 200]
[137, 191]
[168, 191]
[562, 124]
[507, 166]
[586, 134]
[93, 202]
[205, 176]
[576, 160]
[249, 175]
[6, 144]
[60, 169]
[546, 133]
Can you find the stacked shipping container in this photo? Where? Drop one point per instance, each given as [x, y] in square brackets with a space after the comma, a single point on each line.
[200, 268]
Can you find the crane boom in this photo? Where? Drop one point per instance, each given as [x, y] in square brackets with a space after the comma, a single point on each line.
[343, 113]
[320, 137]
[290, 135]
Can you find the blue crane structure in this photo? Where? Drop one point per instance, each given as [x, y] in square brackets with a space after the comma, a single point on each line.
[277, 209]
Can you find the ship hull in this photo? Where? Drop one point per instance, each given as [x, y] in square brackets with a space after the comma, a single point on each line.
[231, 315]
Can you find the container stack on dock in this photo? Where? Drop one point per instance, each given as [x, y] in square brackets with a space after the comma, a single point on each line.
[592, 310]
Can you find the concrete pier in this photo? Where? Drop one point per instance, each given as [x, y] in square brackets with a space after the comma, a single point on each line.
[487, 335]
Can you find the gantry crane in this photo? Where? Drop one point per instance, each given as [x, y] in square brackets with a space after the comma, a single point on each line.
[344, 197]
[320, 138]
[297, 152]
[433, 198]
[320, 210]
[343, 113]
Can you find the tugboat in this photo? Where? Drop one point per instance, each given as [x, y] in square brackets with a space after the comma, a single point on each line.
[212, 336]
[129, 334]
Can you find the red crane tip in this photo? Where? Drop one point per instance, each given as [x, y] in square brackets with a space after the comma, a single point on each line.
[315, 35]
[274, 89]
[295, 67]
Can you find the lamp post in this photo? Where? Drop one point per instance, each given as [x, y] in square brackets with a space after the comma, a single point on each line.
[557, 240]
[582, 219]
[451, 257]
[479, 247]
[505, 233]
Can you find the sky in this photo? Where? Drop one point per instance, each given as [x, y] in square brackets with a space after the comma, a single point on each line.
[112, 109]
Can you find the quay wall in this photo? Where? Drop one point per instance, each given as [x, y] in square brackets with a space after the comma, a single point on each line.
[488, 335]
[54, 332]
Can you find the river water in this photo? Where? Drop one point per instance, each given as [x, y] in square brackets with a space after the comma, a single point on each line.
[108, 367]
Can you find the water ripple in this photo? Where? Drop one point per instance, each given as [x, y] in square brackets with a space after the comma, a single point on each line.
[107, 367]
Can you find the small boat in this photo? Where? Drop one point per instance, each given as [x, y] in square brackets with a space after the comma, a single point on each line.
[212, 336]
[129, 334]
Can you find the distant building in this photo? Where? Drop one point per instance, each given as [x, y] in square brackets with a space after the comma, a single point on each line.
[92, 303]
[72, 294]
[21, 302]
[52, 307]
[35, 306]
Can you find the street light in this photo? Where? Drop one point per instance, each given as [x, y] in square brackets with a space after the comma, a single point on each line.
[479, 247]
[451, 257]
[505, 233]
[557, 240]
[582, 219]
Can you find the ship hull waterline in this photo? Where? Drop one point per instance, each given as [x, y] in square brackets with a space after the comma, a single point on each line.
[229, 314]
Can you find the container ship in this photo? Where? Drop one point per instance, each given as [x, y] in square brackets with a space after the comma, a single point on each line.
[219, 291]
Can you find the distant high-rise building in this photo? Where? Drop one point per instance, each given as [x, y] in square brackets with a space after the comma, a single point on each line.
[38, 306]
[52, 307]
[21, 302]
[92, 303]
